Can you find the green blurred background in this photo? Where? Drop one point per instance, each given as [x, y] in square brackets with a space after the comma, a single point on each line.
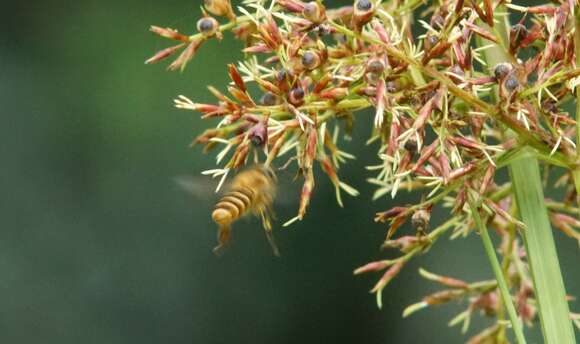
[98, 244]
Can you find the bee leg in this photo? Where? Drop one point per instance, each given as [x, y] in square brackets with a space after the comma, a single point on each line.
[270, 212]
[268, 230]
[223, 239]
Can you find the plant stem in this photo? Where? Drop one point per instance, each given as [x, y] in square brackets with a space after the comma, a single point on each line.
[499, 276]
[541, 252]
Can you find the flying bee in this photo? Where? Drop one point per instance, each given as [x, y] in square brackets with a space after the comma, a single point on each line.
[251, 191]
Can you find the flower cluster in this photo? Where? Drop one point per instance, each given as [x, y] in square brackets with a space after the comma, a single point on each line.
[450, 107]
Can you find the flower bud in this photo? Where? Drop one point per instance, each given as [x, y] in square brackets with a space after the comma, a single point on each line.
[314, 12]
[222, 8]
[207, 26]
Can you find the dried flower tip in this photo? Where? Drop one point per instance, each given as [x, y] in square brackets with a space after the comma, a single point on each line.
[431, 40]
[222, 8]
[296, 95]
[169, 33]
[207, 26]
[269, 99]
[392, 87]
[511, 83]
[160, 55]
[310, 60]
[314, 12]
[518, 33]
[437, 21]
[501, 70]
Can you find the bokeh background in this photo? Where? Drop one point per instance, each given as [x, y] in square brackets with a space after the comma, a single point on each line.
[99, 245]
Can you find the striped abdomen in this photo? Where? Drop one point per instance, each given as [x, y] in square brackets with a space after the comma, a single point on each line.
[233, 205]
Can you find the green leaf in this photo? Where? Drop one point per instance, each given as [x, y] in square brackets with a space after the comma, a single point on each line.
[541, 251]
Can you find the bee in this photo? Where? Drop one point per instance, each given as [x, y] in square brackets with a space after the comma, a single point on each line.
[251, 191]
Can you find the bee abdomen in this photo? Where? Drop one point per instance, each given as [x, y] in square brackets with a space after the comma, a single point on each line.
[232, 206]
[245, 195]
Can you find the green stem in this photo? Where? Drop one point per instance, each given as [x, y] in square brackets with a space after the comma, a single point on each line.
[541, 252]
[499, 276]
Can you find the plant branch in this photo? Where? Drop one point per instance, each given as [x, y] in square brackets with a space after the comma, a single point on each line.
[499, 276]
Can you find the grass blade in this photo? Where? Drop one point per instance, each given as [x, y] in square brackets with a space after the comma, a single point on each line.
[541, 251]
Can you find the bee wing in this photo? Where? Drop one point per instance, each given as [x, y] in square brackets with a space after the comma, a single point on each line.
[287, 189]
[199, 187]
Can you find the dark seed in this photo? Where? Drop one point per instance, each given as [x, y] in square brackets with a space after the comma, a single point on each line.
[364, 5]
[298, 93]
[511, 83]
[281, 75]
[411, 146]
[205, 25]
[501, 70]
[309, 59]
[376, 67]
[256, 140]
[259, 134]
[269, 99]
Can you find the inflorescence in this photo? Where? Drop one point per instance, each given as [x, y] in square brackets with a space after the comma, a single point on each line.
[444, 118]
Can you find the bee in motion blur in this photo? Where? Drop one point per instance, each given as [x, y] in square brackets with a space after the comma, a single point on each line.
[251, 191]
